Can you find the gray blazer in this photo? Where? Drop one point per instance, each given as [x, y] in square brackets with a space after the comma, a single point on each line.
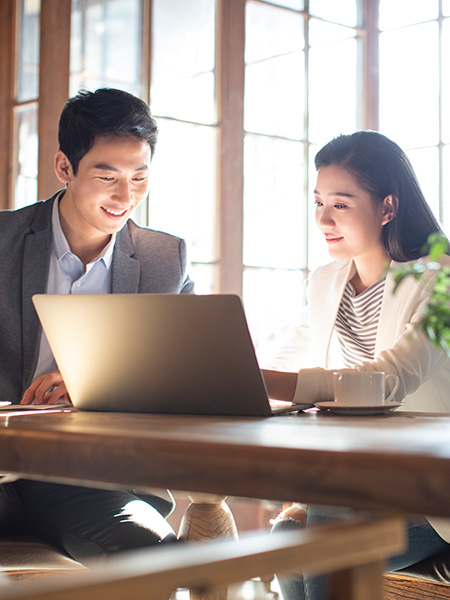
[144, 261]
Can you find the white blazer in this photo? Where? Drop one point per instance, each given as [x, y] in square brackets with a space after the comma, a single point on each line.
[401, 347]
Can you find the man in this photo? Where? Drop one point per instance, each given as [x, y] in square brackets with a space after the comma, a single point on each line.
[82, 241]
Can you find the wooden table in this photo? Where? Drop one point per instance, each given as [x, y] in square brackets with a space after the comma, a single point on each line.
[397, 462]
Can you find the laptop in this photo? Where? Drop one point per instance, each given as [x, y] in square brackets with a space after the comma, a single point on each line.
[156, 353]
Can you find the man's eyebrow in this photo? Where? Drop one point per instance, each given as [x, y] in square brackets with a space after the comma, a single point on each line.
[105, 167]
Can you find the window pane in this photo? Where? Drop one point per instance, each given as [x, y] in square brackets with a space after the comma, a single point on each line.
[425, 163]
[28, 61]
[344, 11]
[446, 8]
[205, 277]
[296, 4]
[271, 32]
[274, 97]
[106, 45]
[273, 300]
[273, 208]
[409, 85]
[183, 186]
[446, 80]
[26, 159]
[332, 90]
[446, 177]
[322, 32]
[398, 13]
[183, 60]
[273, 101]
[317, 247]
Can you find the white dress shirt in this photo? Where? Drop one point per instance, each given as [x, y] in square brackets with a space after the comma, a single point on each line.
[68, 276]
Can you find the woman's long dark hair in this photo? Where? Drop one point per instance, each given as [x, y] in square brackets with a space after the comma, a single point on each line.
[382, 168]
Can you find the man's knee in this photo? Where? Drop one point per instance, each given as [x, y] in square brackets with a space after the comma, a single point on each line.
[90, 523]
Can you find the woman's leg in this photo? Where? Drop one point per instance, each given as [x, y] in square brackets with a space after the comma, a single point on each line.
[291, 586]
[423, 542]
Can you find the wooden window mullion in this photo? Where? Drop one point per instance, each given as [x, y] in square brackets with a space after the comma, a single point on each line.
[54, 76]
[230, 75]
[8, 53]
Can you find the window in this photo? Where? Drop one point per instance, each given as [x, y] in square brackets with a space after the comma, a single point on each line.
[26, 106]
[245, 92]
[183, 196]
[301, 71]
[106, 45]
[415, 91]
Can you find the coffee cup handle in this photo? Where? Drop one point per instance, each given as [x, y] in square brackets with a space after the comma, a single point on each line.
[396, 384]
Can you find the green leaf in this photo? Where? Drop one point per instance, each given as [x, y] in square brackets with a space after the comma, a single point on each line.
[435, 319]
[438, 245]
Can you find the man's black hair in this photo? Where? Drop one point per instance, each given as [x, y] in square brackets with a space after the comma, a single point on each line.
[105, 112]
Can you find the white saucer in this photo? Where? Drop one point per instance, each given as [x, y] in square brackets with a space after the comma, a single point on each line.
[376, 409]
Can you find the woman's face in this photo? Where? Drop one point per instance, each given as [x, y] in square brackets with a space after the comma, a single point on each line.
[349, 219]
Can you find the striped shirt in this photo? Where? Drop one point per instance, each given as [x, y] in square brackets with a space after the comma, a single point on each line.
[357, 323]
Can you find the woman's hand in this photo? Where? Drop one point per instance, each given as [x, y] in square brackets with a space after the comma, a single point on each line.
[280, 384]
[46, 389]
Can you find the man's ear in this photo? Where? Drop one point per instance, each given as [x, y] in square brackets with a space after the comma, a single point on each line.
[63, 168]
[390, 206]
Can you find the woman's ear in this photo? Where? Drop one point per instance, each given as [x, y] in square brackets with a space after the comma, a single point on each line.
[63, 168]
[390, 205]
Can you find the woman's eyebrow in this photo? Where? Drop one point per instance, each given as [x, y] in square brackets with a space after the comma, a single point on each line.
[340, 194]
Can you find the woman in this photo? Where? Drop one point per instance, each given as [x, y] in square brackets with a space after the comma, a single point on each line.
[372, 213]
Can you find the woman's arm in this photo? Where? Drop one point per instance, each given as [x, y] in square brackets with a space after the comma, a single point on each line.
[280, 384]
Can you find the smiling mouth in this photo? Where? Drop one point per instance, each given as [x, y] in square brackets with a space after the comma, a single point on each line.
[332, 240]
[114, 213]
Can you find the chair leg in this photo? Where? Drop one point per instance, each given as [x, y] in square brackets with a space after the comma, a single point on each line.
[363, 582]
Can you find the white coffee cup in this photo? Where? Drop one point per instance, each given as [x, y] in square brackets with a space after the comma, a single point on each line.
[358, 388]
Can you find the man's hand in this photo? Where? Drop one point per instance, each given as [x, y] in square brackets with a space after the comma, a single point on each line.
[46, 389]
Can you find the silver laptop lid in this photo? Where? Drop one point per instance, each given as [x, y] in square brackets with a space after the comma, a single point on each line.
[157, 353]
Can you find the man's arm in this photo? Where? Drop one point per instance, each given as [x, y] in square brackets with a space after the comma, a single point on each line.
[188, 286]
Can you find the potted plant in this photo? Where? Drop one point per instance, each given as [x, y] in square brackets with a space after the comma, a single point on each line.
[435, 320]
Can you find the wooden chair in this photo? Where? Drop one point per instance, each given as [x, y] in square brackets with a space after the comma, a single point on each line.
[24, 558]
[429, 579]
[353, 553]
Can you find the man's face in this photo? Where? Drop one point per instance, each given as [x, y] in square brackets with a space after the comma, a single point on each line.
[111, 181]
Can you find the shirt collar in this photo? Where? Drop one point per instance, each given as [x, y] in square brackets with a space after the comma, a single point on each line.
[61, 245]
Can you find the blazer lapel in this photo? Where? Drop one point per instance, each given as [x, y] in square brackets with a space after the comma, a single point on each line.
[396, 308]
[125, 269]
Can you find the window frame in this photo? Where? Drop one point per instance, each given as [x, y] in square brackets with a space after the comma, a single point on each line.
[8, 45]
